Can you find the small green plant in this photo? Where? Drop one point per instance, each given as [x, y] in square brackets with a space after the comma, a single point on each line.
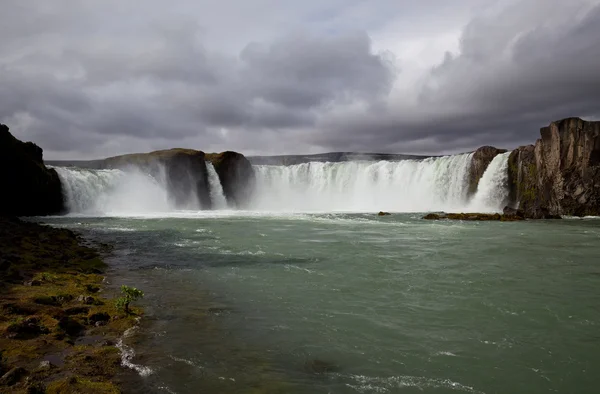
[130, 294]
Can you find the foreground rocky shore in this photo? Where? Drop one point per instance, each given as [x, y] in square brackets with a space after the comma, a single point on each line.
[58, 328]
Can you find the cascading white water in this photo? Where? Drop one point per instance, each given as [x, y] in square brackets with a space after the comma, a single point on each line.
[492, 190]
[111, 192]
[400, 186]
[217, 196]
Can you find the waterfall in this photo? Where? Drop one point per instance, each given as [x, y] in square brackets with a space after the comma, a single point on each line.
[111, 192]
[402, 186]
[492, 191]
[217, 196]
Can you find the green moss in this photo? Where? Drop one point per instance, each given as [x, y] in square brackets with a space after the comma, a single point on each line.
[76, 385]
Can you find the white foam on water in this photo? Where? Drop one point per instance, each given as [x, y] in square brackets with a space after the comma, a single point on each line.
[368, 384]
[127, 355]
[492, 190]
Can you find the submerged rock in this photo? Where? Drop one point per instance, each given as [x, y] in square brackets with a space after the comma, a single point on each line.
[317, 366]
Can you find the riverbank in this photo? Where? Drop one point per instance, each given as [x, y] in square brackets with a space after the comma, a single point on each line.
[58, 329]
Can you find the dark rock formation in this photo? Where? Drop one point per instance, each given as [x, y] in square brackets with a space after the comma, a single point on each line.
[473, 217]
[236, 175]
[560, 174]
[482, 158]
[184, 171]
[28, 187]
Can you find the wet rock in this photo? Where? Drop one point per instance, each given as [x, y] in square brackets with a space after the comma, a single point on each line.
[27, 328]
[71, 326]
[77, 310]
[100, 317]
[44, 365]
[35, 388]
[88, 300]
[13, 376]
[92, 289]
[472, 217]
[382, 213]
[47, 300]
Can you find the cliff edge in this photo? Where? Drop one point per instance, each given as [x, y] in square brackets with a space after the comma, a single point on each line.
[28, 187]
[560, 174]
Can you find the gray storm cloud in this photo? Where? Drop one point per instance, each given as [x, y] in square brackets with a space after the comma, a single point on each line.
[90, 80]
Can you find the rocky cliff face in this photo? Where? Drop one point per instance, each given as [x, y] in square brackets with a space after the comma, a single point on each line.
[184, 171]
[236, 175]
[480, 161]
[560, 174]
[28, 187]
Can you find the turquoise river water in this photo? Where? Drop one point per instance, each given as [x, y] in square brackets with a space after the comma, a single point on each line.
[246, 302]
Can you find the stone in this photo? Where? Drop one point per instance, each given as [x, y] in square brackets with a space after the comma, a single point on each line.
[13, 376]
[381, 213]
[554, 177]
[29, 327]
[99, 317]
[77, 310]
[29, 188]
[236, 175]
[184, 170]
[71, 326]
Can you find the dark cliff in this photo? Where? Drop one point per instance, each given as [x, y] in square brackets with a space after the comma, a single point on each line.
[480, 161]
[183, 170]
[560, 174]
[28, 187]
[236, 175]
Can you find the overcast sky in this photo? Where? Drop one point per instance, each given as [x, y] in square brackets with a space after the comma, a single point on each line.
[90, 79]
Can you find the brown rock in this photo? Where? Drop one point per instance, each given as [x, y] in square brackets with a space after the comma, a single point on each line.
[560, 174]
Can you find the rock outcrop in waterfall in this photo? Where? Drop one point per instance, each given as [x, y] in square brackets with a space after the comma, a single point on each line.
[237, 177]
[183, 170]
[28, 187]
[560, 174]
[480, 161]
